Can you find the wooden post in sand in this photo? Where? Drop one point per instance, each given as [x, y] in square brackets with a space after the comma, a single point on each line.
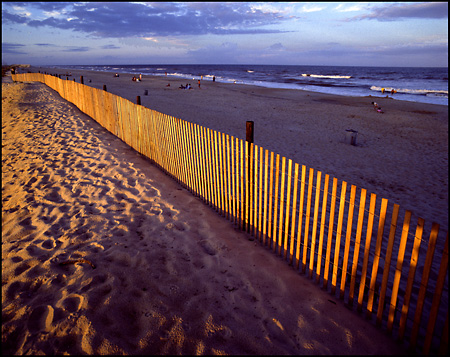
[81, 80]
[249, 181]
[104, 87]
[138, 100]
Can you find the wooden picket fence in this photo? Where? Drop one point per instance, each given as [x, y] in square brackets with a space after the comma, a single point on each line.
[392, 275]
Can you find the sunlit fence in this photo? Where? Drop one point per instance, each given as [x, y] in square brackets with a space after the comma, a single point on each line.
[360, 248]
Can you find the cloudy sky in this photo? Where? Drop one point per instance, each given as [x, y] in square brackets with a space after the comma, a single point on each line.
[290, 33]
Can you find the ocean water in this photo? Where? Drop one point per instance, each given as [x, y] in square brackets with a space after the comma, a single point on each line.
[425, 85]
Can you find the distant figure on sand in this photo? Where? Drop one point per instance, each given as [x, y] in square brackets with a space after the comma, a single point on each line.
[214, 78]
[375, 105]
[116, 75]
[199, 83]
[379, 110]
[134, 79]
[140, 77]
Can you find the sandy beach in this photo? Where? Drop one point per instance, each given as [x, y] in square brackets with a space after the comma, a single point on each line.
[102, 253]
[401, 154]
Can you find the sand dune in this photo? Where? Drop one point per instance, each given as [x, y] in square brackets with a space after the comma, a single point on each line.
[102, 253]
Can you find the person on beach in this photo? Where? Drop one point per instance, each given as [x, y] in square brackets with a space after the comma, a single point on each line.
[134, 79]
[379, 110]
[140, 76]
[214, 78]
[116, 75]
[199, 84]
[375, 105]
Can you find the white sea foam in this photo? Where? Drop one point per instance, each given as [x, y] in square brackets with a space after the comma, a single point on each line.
[429, 92]
[325, 76]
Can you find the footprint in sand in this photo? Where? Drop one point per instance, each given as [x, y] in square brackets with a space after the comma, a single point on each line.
[48, 244]
[41, 319]
[72, 303]
[21, 268]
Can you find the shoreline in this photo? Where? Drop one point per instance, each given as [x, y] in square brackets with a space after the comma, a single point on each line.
[357, 89]
[401, 155]
[194, 81]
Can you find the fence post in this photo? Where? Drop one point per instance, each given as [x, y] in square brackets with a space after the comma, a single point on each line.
[248, 184]
[138, 100]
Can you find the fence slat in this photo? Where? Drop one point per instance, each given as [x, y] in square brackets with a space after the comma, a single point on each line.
[436, 298]
[242, 220]
[411, 274]
[330, 234]
[261, 164]
[233, 193]
[300, 217]
[322, 228]
[314, 230]
[282, 203]
[221, 174]
[362, 206]
[307, 218]
[228, 185]
[398, 270]
[347, 240]
[255, 190]
[215, 167]
[376, 258]
[369, 230]
[266, 203]
[288, 202]
[275, 203]
[337, 244]
[196, 161]
[235, 152]
[423, 284]
[387, 264]
[294, 207]
[211, 176]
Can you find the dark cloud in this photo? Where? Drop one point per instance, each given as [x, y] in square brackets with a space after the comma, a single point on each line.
[76, 49]
[391, 12]
[110, 47]
[12, 18]
[45, 45]
[277, 47]
[123, 19]
[12, 48]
